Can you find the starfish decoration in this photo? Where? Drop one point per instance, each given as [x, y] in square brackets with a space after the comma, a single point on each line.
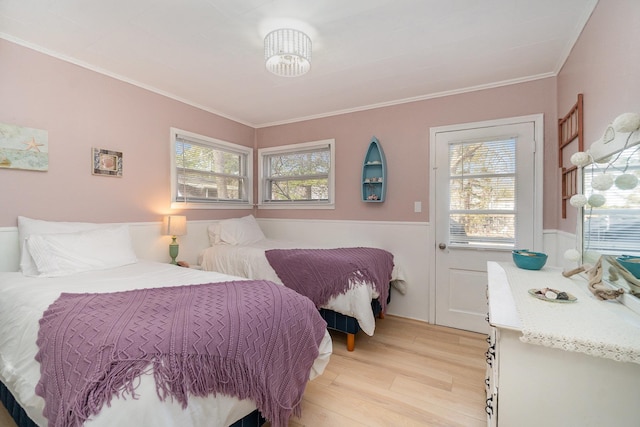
[32, 145]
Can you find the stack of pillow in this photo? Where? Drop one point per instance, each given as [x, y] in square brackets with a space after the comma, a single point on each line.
[235, 231]
[51, 249]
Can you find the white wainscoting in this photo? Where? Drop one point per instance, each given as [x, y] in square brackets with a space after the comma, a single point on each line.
[410, 242]
[407, 241]
[148, 243]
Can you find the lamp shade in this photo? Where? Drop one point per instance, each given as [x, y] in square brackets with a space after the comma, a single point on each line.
[174, 225]
[287, 52]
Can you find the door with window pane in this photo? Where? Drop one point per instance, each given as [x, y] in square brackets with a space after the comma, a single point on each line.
[484, 208]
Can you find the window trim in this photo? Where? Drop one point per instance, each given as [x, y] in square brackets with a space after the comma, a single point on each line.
[288, 149]
[214, 142]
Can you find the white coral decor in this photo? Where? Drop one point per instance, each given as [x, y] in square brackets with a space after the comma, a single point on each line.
[580, 159]
[578, 200]
[602, 182]
[627, 122]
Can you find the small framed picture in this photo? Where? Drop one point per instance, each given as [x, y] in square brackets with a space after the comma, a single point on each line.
[106, 162]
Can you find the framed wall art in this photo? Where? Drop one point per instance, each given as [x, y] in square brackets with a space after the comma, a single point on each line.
[23, 148]
[106, 162]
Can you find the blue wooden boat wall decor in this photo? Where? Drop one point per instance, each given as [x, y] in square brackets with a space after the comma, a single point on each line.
[374, 174]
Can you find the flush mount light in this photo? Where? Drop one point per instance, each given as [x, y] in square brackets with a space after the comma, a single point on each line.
[287, 52]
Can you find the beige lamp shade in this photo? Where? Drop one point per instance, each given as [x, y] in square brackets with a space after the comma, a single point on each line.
[174, 225]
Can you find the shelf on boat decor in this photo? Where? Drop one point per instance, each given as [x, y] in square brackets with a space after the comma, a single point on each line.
[374, 173]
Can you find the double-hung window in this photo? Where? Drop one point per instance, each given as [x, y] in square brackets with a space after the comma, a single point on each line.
[297, 176]
[209, 173]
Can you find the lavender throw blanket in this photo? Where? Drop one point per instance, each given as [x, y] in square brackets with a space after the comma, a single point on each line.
[249, 339]
[321, 274]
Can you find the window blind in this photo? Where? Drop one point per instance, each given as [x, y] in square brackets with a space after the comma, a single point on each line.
[482, 189]
[614, 227]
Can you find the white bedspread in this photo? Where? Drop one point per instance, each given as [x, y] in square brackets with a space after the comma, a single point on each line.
[251, 262]
[24, 299]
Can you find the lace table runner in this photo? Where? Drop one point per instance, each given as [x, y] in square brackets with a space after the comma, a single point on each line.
[586, 326]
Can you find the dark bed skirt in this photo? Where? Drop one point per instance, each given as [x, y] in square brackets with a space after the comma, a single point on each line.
[14, 409]
[347, 324]
[254, 419]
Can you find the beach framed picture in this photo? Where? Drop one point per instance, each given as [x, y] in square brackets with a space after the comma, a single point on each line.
[23, 148]
[106, 162]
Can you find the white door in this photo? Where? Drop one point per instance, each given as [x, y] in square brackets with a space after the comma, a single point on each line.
[486, 203]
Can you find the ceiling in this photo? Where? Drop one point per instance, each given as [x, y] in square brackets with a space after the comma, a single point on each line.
[366, 53]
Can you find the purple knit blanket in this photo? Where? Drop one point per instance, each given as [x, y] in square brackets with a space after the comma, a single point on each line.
[248, 339]
[320, 274]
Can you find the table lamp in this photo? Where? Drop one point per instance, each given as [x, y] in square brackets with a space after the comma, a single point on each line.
[174, 226]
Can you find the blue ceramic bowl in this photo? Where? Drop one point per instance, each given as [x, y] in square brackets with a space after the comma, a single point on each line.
[631, 263]
[529, 260]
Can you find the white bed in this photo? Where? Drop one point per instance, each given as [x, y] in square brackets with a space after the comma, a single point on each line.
[238, 248]
[23, 300]
[249, 261]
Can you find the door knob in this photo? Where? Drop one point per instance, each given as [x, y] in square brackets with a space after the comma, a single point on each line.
[442, 246]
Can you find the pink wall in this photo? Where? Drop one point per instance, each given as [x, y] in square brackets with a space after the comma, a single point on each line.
[604, 65]
[403, 131]
[82, 109]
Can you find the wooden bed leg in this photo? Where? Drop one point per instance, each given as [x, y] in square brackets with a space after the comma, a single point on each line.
[381, 315]
[351, 342]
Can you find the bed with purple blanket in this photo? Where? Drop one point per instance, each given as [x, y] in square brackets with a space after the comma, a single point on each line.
[146, 343]
[350, 286]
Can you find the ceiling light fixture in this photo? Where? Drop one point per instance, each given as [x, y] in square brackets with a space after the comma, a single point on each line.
[287, 52]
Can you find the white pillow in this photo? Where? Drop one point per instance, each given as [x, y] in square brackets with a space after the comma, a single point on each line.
[61, 254]
[29, 226]
[236, 231]
[214, 234]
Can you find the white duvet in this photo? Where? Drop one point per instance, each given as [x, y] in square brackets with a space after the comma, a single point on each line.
[251, 262]
[24, 299]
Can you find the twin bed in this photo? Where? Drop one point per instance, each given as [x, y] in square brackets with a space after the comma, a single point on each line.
[240, 248]
[193, 348]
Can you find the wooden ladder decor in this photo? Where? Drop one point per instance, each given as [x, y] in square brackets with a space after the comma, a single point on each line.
[570, 127]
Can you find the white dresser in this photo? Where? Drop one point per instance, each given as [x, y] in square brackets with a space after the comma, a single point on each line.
[538, 385]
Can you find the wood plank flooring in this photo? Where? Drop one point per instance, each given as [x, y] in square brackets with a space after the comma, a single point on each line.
[408, 374]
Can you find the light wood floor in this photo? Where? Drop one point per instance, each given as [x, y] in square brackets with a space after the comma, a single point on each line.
[5, 418]
[408, 374]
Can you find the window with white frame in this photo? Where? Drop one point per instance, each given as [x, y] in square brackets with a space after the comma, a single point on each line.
[297, 175]
[209, 173]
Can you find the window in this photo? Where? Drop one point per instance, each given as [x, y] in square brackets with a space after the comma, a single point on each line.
[297, 176]
[611, 219]
[208, 173]
[482, 183]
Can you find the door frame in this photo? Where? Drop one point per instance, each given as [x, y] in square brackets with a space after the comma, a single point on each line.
[538, 238]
